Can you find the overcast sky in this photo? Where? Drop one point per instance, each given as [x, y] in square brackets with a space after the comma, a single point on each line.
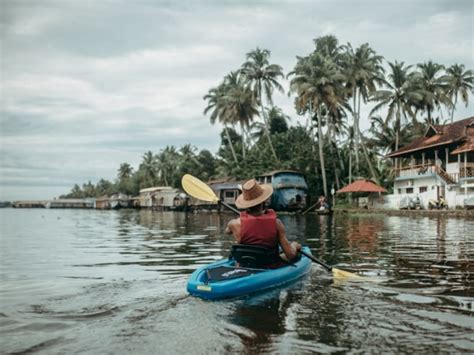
[88, 85]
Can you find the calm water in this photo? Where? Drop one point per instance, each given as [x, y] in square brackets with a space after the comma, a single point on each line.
[114, 282]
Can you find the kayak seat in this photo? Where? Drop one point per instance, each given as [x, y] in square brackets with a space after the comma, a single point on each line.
[254, 256]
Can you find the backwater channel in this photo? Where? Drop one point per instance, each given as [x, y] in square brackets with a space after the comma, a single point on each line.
[86, 281]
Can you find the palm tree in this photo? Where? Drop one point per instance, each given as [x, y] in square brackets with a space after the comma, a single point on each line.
[277, 120]
[384, 137]
[125, 171]
[459, 82]
[315, 82]
[168, 163]
[262, 77]
[399, 96]
[216, 105]
[240, 105]
[148, 169]
[432, 85]
[363, 70]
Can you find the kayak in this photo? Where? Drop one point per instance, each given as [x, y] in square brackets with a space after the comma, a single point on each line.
[222, 279]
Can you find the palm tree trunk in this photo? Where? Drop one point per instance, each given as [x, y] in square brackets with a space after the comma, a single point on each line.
[369, 163]
[231, 145]
[350, 166]
[321, 153]
[243, 140]
[313, 140]
[397, 134]
[267, 129]
[356, 131]
[454, 107]
[330, 133]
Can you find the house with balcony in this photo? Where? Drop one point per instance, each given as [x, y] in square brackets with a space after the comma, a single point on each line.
[438, 164]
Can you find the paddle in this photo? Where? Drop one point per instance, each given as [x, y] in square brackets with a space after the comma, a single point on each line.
[200, 190]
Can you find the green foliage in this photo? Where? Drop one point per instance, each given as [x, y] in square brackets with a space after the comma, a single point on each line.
[329, 85]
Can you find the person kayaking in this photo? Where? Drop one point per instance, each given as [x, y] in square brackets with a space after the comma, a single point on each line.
[259, 227]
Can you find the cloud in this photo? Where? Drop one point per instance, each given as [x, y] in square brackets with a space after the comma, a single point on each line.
[86, 86]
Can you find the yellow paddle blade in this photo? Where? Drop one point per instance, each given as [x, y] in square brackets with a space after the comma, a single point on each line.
[339, 274]
[198, 189]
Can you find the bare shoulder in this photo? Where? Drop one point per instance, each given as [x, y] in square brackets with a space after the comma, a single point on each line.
[232, 225]
[234, 222]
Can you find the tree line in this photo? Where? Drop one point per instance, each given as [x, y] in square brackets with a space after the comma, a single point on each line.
[329, 86]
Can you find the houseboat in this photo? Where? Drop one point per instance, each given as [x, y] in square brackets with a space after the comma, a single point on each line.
[289, 189]
[71, 203]
[436, 167]
[162, 198]
[119, 200]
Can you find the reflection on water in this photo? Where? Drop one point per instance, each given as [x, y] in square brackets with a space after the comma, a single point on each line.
[114, 281]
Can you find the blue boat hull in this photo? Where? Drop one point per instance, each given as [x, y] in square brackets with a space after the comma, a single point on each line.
[200, 286]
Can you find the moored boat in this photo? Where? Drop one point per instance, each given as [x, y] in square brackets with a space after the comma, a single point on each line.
[240, 281]
[289, 189]
[119, 200]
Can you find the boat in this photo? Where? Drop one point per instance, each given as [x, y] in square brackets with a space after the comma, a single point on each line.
[119, 200]
[242, 281]
[289, 189]
[325, 211]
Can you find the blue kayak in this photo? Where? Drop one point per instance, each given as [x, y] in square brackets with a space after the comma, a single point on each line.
[232, 281]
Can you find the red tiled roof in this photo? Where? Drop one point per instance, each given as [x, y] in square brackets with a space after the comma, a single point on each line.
[361, 186]
[466, 147]
[450, 133]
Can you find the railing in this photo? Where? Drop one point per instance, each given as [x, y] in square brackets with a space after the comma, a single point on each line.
[467, 172]
[413, 171]
[448, 178]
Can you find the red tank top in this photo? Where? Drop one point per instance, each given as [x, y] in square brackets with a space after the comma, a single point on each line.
[259, 230]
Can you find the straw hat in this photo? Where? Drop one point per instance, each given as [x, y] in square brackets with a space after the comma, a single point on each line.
[253, 194]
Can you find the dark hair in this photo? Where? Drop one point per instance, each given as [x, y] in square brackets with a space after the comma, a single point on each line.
[256, 208]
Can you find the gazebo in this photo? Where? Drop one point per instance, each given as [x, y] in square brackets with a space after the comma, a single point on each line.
[367, 191]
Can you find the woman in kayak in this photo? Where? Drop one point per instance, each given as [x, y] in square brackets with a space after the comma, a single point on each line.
[257, 226]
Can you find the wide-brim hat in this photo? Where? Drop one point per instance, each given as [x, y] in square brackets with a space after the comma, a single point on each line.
[253, 194]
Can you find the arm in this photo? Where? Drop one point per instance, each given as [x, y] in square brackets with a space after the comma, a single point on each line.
[233, 227]
[290, 250]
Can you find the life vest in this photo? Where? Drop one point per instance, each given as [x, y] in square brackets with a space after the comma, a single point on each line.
[259, 230]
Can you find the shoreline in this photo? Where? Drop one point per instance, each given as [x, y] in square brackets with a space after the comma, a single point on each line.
[407, 213]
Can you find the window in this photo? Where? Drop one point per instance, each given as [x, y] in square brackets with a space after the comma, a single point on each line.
[399, 191]
[423, 189]
[409, 190]
[229, 194]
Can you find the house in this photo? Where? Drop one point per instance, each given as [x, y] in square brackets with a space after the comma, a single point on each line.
[102, 203]
[71, 203]
[439, 164]
[161, 198]
[169, 199]
[227, 189]
[145, 198]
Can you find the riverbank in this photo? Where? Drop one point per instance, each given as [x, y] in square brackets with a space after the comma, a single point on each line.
[408, 213]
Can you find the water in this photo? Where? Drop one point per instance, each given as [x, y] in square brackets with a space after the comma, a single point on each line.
[77, 281]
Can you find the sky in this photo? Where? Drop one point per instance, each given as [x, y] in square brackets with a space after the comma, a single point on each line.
[86, 85]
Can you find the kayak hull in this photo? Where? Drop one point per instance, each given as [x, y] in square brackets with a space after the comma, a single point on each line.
[199, 285]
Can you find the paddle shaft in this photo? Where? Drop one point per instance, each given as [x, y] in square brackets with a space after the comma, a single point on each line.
[236, 211]
[326, 266]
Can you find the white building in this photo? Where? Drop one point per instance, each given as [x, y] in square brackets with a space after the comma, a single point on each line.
[439, 164]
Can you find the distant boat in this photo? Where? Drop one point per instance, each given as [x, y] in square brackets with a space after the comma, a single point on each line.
[118, 201]
[289, 189]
